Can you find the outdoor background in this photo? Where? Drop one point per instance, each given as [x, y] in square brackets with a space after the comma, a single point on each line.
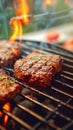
[7, 11]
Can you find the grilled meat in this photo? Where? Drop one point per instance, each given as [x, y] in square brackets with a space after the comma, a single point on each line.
[9, 53]
[8, 88]
[37, 69]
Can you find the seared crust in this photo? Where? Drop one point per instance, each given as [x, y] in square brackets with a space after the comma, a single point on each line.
[37, 69]
[8, 88]
[9, 53]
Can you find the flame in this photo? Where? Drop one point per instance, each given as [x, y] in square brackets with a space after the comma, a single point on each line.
[6, 107]
[14, 24]
[22, 9]
[21, 18]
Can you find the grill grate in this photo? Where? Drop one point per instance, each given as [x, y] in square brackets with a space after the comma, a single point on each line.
[49, 108]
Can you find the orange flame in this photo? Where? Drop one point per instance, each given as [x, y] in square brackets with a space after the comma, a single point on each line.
[6, 107]
[17, 29]
[21, 18]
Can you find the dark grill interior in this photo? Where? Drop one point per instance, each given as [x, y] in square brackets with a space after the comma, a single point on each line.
[43, 108]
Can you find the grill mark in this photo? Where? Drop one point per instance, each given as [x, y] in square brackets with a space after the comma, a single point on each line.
[44, 65]
[51, 71]
[45, 70]
[38, 65]
[28, 65]
[34, 69]
[40, 70]
[30, 62]
[25, 61]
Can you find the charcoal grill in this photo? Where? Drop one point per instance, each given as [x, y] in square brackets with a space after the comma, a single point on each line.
[43, 108]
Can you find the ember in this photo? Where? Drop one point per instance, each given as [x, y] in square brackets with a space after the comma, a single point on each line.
[6, 107]
[3, 116]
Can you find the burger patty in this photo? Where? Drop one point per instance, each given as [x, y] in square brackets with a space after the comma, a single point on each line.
[37, 69]
[9, 53]
[8, 88]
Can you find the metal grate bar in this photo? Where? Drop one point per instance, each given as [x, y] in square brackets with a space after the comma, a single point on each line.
[66, 74]
[44, 51]
[35, 115]
[47, 108]
[48, 95]
[61, 49]
[39, 117]
[66, 77]
[67, 126]
[62, 92]
[52, 46]
[69, 66]
[42, 93]
[24, 124]
[69, 73]
[45, 95]
[63, 83]
[50, 51]
[48, 47]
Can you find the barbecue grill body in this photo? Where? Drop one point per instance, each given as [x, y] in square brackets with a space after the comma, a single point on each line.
[43, 108]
